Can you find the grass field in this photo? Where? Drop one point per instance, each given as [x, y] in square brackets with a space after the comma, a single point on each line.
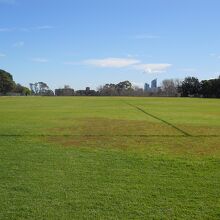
[109, 158]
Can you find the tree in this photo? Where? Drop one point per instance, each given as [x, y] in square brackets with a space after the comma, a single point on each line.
[124, 88]
[22, 90]
[6, 82]
[137, 91]
[32, 88]
[120, 89]
[210, 88]
[170, 87]
[108, 90]
[190, 87]
[41, 88]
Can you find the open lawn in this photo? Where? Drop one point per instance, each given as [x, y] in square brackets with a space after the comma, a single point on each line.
[109, 158]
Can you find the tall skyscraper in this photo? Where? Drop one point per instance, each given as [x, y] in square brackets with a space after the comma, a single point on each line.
[146, 87]
[154, 84]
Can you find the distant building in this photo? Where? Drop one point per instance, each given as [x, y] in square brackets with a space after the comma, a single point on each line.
[146, 87]
[86, 92]
[64, 92]
[153, 88]
[154, 84]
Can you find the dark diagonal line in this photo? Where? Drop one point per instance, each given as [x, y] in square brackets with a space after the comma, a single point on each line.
[103, 135]
[85, 135]
[160, 119]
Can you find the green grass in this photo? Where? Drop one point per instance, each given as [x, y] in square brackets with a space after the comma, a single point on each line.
[109, 158]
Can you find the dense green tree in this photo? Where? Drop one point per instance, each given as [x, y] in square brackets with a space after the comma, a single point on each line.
[190, 87]
[210, 88]
[108, 90]
[125, 85]
[122, 88]
[22, 90]
[6, 82]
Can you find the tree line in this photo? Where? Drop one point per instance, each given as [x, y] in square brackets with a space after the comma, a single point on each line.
[124, 88]
[8, 85]
[189, 87]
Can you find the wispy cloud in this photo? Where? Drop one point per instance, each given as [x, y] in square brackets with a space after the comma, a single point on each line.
[44, 27]
[138, 84]
[132, 55]
[40, 60]
[72, 63]
[18, 44]
[2, 55]
[112, 62]
[214, 55]
[7, 2]
[128, 62]
[26, 29]
[6, 29]
[146, 36]
[153, 68]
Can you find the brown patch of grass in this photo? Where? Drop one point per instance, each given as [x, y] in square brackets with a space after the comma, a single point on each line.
[200, 146]
[201, 130]
[134, 135]
[105, 126]
[179, 146]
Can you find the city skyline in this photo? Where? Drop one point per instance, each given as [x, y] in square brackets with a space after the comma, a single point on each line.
[90, 43]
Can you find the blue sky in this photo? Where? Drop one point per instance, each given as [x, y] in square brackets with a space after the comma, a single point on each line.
[92, 42]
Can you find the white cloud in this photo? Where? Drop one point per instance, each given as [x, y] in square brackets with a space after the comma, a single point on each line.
[153, 68]
[112, 62]
[18, 44]
[127, 62]
[39, 60]
[146, 36]
[138, 84]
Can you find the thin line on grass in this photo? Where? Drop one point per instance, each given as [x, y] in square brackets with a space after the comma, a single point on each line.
[100, 135]
[84, 135]
[160, 119]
